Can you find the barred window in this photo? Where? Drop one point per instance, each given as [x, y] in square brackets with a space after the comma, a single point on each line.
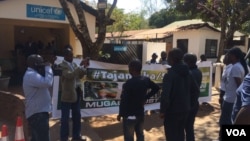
[211, 48]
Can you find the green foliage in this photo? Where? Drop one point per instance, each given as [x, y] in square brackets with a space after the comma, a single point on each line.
[246, 27]
[166, 16]
[127, 21]
[119, 24]
[104, 55]
[136, 21]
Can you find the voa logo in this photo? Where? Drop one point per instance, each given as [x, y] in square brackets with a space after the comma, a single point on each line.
[236, 132]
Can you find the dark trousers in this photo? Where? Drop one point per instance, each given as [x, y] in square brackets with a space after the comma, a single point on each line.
[189, 126]
[76, 120]
[131, 126]
[226, 114]
[222, 93]
[174, 126]
[39, 126]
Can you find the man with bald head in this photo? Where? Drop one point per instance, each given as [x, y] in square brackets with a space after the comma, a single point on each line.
[37, 80]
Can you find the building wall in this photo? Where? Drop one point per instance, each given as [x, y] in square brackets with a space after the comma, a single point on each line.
[152, 47]
[6, 40]
[13, 14]
[197, 39]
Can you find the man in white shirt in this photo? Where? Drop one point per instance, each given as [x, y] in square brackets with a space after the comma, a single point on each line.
[37, 80]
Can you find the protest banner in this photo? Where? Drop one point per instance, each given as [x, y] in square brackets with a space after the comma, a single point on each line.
[102, 87]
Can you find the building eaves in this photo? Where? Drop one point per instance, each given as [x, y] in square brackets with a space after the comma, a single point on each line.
[198, 26]
[168, 30]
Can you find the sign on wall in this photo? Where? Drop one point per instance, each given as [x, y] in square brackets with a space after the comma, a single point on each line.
[44, 12]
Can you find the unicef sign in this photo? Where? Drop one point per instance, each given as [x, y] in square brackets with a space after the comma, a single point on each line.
[44, 12]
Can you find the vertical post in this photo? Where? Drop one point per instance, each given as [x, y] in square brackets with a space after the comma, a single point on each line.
[217, 75]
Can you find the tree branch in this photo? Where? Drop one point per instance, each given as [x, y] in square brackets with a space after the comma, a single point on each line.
[71, 20]
[111, 9]
[209, 10]
[244, 15]
[82, 19]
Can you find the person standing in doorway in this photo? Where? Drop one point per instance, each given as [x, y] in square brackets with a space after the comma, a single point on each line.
[135, 92]
[37, 80]
[71, 95]
[190, 60]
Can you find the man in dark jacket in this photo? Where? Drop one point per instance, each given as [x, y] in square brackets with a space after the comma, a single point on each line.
[175, 101]
[190, 60]
[135, 92]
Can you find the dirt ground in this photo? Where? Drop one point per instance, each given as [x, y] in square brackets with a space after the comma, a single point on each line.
[107, 128]
[206, 124]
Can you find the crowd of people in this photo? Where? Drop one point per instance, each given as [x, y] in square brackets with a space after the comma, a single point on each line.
[178, 102]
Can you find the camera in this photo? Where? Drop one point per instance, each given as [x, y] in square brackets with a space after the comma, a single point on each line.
[40, 68]
[57, 71]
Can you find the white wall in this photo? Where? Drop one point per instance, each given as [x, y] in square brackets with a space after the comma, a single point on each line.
[152, 47]
[197, 39]
[16, 9]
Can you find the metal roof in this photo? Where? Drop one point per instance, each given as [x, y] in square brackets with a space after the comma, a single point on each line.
[168, 30]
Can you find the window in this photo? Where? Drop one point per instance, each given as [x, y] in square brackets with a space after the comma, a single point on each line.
[211, 48]
[183, 45]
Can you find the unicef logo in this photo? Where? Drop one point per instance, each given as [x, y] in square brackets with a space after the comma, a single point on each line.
[58, 11]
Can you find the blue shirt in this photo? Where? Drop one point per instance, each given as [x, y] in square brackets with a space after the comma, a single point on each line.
[36, 91]
[243, 96]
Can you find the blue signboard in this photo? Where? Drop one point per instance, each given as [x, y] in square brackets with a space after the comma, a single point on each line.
[45, 12]
[120, 48]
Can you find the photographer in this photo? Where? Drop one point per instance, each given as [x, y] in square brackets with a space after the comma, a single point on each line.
[37, 80]
[70, 86]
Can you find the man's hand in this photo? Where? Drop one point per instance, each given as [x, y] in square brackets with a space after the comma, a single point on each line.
[118, 118]
[85, 62]
[47, 64]
[162, 115]
[220, 101]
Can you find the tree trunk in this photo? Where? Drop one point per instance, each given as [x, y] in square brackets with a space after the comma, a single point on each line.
[89, 48]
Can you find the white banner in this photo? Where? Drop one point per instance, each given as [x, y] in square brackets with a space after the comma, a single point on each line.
[103, 84]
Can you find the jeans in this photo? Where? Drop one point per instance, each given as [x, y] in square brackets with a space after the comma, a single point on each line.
[174, 126]
[133, 125]
[76, 119]
[39, 126]
[226, 114]
[189, 127]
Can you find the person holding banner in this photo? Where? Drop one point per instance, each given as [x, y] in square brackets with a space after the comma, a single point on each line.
[175, 102]
[135, 92]
[190, 60]
[71, 94]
